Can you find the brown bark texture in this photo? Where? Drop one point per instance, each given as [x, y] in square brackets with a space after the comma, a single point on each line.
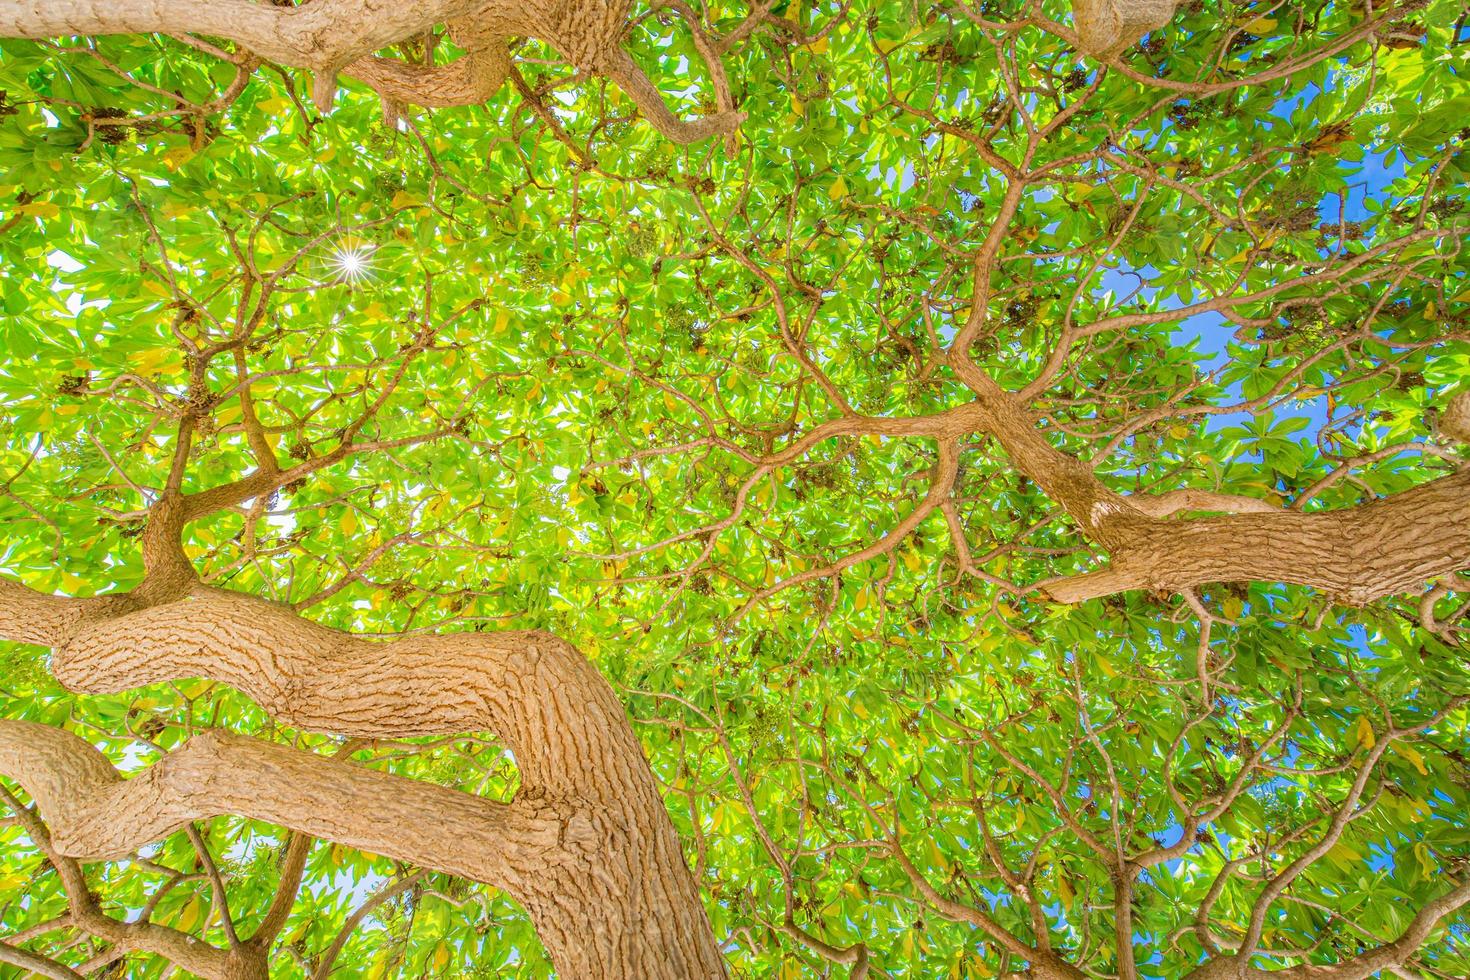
[331, 36]
[586, 845]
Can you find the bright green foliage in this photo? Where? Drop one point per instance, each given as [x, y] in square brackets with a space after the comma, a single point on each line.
[540, 312]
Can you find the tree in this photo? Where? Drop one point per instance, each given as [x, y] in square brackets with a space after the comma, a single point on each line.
[967, 491]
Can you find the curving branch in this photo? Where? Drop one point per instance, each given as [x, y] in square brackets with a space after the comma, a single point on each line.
[1357, 554]
[586, 845]
[332, 36]
[322, 36]
[621, 68]
[548, 852]
[1379, 960]
[36, 964]
[469, 80]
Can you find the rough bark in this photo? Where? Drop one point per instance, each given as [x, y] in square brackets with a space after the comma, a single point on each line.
[331, 36]
[586, 845]
[1105, 28]
[1454, 420]
[1355, 554]
[35, 965]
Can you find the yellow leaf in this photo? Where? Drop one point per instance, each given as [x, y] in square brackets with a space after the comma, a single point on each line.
[976, 968]
[1427, 863]
[194, 689]
[1366, 739]
[403, 199]
[189, 918]
[39, 209]
[861, 602]
[1344, 856]
[151, 361]
[1259, 25]
[177, 157]
[1412, 755]
[440, 959]
[839, 189]
[1069, 894]
[818, 46]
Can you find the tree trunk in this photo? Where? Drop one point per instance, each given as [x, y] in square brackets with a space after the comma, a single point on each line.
[586, 846]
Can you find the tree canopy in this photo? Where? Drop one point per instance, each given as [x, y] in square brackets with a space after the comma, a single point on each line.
[1010, 461]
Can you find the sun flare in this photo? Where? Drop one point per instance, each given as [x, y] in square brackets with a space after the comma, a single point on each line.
[351, 261]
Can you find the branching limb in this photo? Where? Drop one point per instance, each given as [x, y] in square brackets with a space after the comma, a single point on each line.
[36, 963]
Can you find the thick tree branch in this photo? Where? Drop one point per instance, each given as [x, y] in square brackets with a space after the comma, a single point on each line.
[567, 861]
[566, 728]
[1356, 554]
[331, 36]
[621, 68]
[1105, 28]
[36, 964]
[325, 35]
